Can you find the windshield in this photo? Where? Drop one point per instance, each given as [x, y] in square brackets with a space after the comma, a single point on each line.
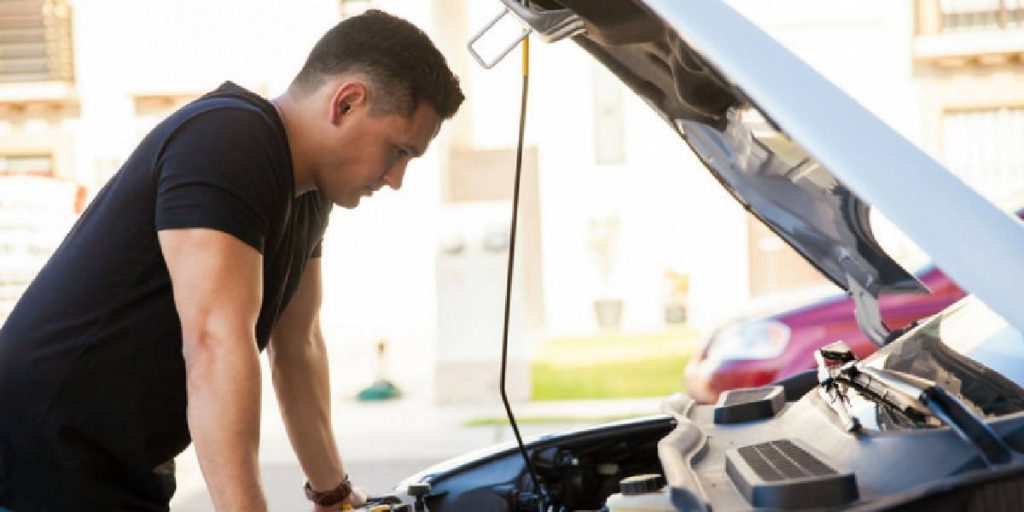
[968, 350]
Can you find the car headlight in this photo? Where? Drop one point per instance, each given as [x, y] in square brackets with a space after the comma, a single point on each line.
[759, 339]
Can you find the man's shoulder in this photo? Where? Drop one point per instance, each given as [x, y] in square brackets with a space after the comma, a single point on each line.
[230, 111]
[229, 103]
[231, 95]
[231, 123]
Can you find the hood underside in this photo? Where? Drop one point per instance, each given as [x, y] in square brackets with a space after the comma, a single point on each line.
[772, 176]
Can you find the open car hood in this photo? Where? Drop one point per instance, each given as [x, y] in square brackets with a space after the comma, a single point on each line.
[773, 177]
[791, 147]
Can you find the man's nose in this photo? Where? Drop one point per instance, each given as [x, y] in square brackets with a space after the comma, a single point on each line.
[393, 178]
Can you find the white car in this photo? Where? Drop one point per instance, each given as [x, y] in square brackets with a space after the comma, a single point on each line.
[933, 421]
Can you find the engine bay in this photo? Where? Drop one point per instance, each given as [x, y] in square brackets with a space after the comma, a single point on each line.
[758, 448]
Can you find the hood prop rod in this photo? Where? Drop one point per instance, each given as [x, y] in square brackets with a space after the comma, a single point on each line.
[541, 490]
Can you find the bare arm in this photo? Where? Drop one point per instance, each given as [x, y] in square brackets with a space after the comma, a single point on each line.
[298, 360]
[218, 288]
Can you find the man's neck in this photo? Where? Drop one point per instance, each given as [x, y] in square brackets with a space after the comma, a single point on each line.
[289, 109]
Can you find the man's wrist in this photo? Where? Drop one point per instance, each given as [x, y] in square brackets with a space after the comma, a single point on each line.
[329, 497]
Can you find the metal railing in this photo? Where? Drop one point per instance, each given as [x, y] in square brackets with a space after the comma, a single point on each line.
[975, 15]
[35, 41]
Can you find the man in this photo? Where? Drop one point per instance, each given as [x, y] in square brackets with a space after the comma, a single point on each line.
[142, 332]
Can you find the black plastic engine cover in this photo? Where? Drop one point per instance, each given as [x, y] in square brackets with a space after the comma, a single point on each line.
[786, 474]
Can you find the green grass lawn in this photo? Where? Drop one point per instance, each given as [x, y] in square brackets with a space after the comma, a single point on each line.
[611, 366]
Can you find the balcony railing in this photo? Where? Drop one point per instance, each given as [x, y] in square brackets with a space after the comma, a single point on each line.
[953, 33]
[971, 15]
[35, 41]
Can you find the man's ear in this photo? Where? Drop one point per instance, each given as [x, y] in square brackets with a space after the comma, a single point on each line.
[349, 95]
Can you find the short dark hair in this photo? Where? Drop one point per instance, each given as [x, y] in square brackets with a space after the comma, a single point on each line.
[403, 66]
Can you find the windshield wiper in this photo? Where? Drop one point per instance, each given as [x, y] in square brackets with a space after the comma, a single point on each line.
[916, 398]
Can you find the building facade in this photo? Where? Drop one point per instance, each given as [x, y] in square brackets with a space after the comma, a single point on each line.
[620, 228]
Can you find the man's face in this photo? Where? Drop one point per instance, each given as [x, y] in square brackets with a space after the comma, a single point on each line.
[368, 151]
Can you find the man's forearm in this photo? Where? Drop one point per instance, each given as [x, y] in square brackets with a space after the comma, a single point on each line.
[224, 419]
[302, 384]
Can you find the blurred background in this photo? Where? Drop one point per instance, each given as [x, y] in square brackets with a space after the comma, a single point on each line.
[629, 253]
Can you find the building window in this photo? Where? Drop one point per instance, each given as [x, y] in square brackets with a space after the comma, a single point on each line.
[983, 148]
[35, 41]
[967, 15]
[26, 165]
[609, 137]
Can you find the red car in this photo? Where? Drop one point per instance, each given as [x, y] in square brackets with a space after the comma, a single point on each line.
[756, 352]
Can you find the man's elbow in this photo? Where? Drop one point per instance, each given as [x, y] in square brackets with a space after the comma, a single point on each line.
[205, 346]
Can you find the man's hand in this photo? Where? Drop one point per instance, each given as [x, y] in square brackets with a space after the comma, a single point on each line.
[218, 289]
[355, 500]
[358, 497]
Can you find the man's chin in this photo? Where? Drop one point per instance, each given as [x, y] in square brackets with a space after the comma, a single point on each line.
[349, 202]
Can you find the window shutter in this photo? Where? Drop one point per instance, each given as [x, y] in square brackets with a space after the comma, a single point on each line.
[35, 41]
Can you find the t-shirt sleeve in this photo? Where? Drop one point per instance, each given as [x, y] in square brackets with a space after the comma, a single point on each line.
[218, 172]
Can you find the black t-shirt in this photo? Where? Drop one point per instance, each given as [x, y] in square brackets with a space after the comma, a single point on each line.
[92, 380]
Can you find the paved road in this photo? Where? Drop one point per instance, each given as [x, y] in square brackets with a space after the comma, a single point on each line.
[385, 442]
